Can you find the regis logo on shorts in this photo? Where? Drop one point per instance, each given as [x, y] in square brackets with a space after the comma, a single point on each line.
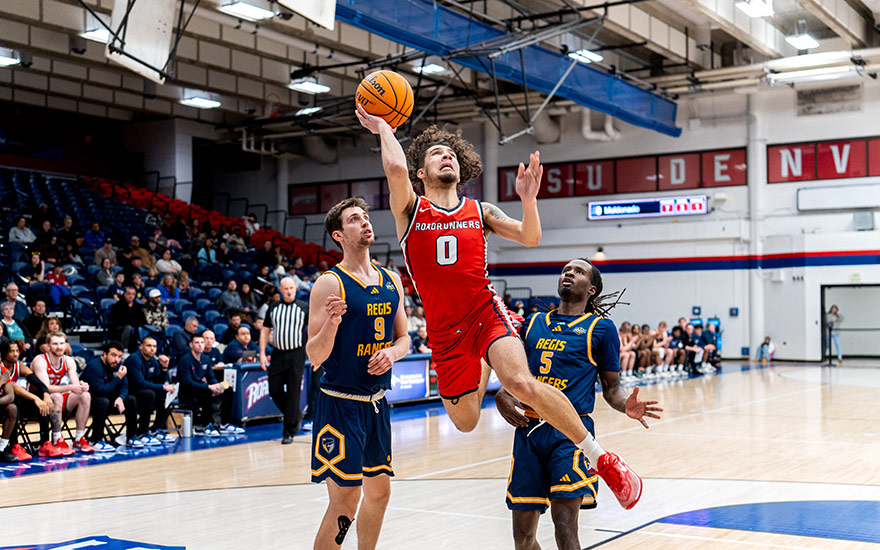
[255, 391]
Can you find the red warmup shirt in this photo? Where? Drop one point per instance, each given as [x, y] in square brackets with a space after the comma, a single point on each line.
[445, 251]
[59, 279]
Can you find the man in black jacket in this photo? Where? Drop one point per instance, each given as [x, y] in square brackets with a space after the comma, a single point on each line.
[148, 374]
[108, 385]
[126, 316]
[199, 389]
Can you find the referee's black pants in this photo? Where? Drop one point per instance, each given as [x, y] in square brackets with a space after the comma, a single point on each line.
[285, 380]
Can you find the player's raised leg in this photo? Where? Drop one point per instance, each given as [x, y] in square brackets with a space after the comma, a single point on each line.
[464, 411]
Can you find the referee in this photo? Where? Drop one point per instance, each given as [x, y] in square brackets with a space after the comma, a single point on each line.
[288, 319]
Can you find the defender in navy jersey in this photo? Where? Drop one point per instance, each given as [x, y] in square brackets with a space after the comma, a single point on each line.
[569, 349]
[357, 330]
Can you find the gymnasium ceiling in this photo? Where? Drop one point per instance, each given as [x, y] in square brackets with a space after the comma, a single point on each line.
[674, 47]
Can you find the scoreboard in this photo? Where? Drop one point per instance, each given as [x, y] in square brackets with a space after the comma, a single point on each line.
[645, 208]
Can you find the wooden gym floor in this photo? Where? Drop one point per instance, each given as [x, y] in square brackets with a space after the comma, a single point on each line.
[782, 457]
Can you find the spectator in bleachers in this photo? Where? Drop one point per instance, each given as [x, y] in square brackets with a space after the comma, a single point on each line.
[236, 241]
[411, 325]
[251, 225]
[70, 257]
[242, 343]
[60, 287]
[229, 299]
[195, 229]
[105, 252]
[50, 325]
[168, 289]
[94, 237]
[177, 230]
[140, 287]
[248, 300]
[31, 396]
[155, 311]
[167, 264]
[262, 278]
[126, 316]
[420, 341]
[256, 329]
[124, 258]
[223, 257]
[45, 232]
[211, 349]
[57, 372]
[298, 283]
[234, 321]
[183, 284]
[20, 232]
[266, 256]
[108, 385]
[160, 239]
[9, 413]
[13, 295]
[270, 296]
[43, 215]
[104, 276]
[199, 389]
[49, 250]
[137, 251]
[418, 318]
[34, 321]
[134, 266]
[12, 329]
[182, 338]
[35, 270]
[117, 289]
[68, 233]
[208, 261]
[148, 372]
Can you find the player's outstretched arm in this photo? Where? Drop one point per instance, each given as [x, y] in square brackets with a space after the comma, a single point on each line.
[526, 232]
[631, 406]
[325, 314]
[402, 197]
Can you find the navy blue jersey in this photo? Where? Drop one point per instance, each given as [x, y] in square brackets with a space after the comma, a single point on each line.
[568, 351]
[367, 327]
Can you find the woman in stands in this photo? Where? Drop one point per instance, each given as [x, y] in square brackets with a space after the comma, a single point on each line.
[49, 249]
[35, 271]
[183, 284]
[167, 264]
[105, 275]
[50, 324]
[248, 300]
[627, 353]
[12, 329]
[168, 289]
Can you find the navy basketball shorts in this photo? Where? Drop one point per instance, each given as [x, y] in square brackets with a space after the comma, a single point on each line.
[350, 439]
[546, 465]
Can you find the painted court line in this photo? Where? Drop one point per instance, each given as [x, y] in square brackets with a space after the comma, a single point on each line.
[726, 541]
[625, 430]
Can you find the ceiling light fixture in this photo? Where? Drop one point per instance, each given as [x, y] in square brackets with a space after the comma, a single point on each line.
[814, 75]
[8, 57]
[586, 56]
[308, 85]
[756, 8]
[247, 10]
[430, 68]
[801, 39]
[309, 111]
[200, 102]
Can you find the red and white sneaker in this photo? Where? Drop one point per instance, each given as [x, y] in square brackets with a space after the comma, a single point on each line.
[19, 451]
[623, 482]
[49, 450]
[83, 446]
[63, 447]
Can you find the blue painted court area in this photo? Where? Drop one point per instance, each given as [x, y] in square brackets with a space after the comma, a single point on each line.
[855, 520]
[102, 543]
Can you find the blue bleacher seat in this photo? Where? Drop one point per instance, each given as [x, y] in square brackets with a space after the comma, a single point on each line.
[195, 293]
[93, 269]
[214, 293]
[18, 266]
[220, 328]
[75, 279]
[107, 303]
[78, 290]
[202, 304]
[211, 316]
[185, 314]
[171, 330]
[180, 304]
[76, 347]
[102, 290]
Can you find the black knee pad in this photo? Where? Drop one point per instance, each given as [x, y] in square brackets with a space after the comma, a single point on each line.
[344, 525]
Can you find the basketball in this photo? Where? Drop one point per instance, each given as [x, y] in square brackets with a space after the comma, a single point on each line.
[388, 95]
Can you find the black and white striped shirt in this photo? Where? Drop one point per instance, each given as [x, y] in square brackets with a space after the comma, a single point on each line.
[289, 323]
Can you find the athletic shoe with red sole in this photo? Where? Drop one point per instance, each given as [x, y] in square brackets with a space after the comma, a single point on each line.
[49, 450]
[83, 446]
[19, 451]
[625, 484]
[64, 448]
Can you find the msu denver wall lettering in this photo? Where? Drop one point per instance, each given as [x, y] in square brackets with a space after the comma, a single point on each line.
[718, 168]
[841, 159]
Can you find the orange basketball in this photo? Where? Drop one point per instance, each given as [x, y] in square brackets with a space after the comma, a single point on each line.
[388, 95]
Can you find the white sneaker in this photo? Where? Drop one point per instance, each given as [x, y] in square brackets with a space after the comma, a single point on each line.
[231, 429]
[149, 441]
[101, 447]
[208, 431]
[165, 437]
[134, 443]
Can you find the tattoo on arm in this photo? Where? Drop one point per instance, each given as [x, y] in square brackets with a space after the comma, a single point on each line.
[490, 210]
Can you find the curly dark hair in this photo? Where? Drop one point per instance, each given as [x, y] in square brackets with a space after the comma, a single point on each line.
[468, 159]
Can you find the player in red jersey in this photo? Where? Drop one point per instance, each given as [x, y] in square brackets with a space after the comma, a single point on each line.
[443, 237]
[58, 373]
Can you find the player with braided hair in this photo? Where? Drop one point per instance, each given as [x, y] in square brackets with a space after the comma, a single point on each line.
[569, 349]
[444, 242]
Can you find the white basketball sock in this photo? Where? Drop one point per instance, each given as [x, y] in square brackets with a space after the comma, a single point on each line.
[3, 444]
[591, 448]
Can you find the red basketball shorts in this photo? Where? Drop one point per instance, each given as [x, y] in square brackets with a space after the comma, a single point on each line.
[456, 352]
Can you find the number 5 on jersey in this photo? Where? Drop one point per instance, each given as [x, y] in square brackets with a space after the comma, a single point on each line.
[447, 249]
[546, 357]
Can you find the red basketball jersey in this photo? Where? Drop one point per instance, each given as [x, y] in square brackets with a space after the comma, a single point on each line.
[56, 374]
[445, 252]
